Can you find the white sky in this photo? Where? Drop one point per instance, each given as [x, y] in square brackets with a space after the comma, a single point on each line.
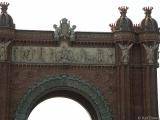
[87, 15]
[57, 109]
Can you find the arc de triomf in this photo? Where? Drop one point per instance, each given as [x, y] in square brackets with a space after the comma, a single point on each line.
[112, 74]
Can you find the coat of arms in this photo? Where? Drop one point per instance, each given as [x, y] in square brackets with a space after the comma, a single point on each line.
[64, 31]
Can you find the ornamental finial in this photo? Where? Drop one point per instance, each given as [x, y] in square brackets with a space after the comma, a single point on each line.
[4, 7]
[123, 10]
[113, 27]
[148, 11]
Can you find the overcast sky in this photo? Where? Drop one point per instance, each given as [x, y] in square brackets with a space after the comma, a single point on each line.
[87, 15]
[59, 109]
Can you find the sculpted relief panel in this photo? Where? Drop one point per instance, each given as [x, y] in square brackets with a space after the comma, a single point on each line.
[150, 52]
[3, 50]
[59, 55]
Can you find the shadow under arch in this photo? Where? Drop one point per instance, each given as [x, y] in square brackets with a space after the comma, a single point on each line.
[64, 86]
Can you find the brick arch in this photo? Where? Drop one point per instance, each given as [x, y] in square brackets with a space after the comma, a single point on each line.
[67, 86]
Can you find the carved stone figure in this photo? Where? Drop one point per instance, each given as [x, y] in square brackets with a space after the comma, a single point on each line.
[56, 33]
[100, 55]
[110, 56]
[26, 54]
[42, 53]
[64, 31]
[125, 52]
[72, 36]
[15, 53]
[3, 50]
[82, 55]
[150, 52]
[64, 56]
[157, 55]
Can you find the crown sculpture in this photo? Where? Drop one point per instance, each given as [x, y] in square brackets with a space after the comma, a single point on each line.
[123, 10]
[4, 7]
[148, 10]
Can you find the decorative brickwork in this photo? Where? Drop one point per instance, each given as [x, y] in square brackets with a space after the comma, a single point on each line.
[116, 72]
[66, 83]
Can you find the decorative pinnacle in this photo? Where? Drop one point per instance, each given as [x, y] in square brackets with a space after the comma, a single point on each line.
[136, 25]
[113, 26]
[123, 10]
[137, 28]
[4, 7]
[148, 10]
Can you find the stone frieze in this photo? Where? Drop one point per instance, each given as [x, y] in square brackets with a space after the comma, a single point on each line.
[59, 55]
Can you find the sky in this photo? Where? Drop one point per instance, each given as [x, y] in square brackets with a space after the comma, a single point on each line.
[87, 15]
[59, 109]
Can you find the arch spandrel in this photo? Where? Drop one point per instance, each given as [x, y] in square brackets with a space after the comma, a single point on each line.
[67, 83]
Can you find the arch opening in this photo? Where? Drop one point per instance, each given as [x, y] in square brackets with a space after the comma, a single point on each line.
[64, 86]
[70, 94]
[59, 108]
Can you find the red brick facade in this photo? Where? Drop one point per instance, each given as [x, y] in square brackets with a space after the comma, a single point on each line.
[129, 88]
